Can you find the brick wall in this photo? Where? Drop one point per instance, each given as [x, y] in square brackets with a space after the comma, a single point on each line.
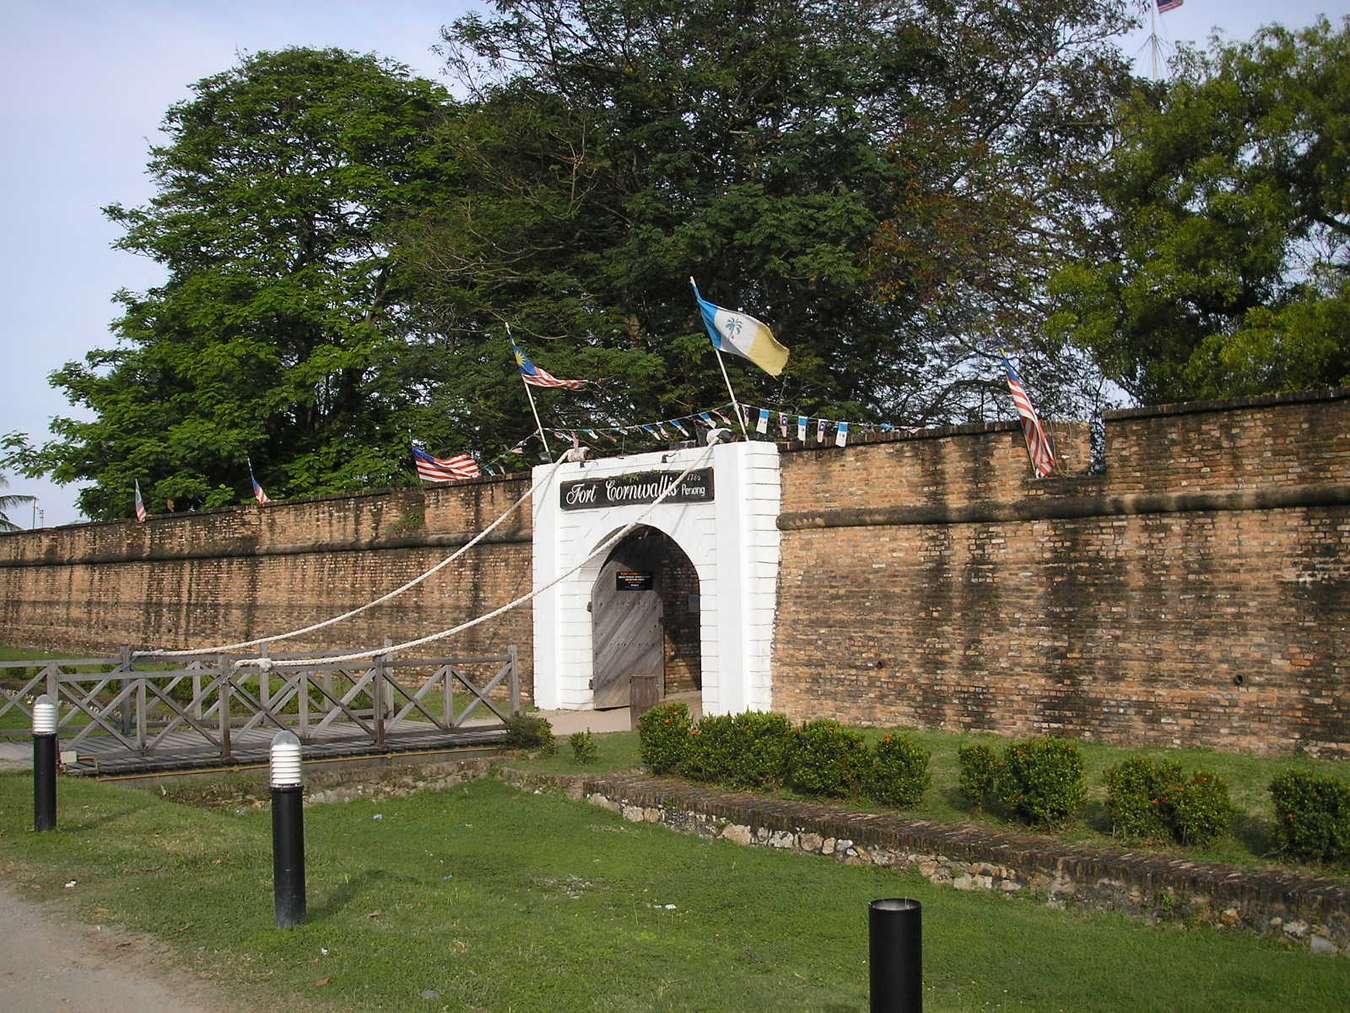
[1198, 592]
[194, 580]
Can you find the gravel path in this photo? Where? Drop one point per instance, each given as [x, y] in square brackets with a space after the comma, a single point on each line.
[48, 963]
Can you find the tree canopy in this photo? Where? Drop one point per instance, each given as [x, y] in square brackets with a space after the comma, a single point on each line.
[1224, 262]
[900, 188]
[279, 330]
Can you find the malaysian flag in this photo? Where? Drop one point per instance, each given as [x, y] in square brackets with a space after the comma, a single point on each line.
[447, 469]
[1168, 5]
[537, 377]
[258, 493]
[1038, 444]
[140, 503]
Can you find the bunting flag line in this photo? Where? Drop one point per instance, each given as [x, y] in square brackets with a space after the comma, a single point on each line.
[782, 424]
[762, 426]
[801, 428]
[841, 435]
[820, 431]
[140, 503]
[449, 469]
[1038, 444]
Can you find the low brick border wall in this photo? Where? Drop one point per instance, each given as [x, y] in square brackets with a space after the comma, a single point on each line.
[1301, 909]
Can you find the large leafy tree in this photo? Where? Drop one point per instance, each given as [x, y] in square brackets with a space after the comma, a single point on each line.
[829, 167]
[280, 331]
[1224, 266]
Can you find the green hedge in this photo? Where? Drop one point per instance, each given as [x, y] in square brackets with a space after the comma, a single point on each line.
[1312, 816]
[1152, 800]
[899, 771]
[663, 734]
[1039, 781]
[763, 752]
[525, 731]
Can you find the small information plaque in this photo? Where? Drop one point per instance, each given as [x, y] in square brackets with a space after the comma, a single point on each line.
[632, 580]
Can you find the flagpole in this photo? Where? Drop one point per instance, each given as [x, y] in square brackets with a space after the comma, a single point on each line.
[740, 416]
[530, 394]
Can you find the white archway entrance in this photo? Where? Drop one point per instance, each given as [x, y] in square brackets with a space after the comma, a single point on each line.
[729, 532]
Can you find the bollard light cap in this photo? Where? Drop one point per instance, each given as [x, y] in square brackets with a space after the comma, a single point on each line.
[286, 767]
[44, 716]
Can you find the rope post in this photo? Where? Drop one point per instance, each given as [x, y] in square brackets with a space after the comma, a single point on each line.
[223, 707]
[44, 763]
[515, 682]
[288, 831]
[124, 665]
[895, 955]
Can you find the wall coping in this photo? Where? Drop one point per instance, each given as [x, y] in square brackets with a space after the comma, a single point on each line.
[1232, 404]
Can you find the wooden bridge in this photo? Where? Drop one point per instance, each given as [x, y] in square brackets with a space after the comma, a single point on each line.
[148, 712]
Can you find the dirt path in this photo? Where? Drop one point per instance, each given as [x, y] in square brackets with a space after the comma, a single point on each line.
[49, 963]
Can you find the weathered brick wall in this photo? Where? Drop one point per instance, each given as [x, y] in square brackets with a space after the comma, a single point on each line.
[194, 580]
[1196, 593]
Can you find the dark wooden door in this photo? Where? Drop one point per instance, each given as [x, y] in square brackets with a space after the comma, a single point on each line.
[626, 637]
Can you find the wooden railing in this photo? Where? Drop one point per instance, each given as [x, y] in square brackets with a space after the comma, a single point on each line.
[149, 704]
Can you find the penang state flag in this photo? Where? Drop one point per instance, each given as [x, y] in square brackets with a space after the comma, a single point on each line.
[1038, 444]
[444, 469]
[743, 335]
[537, 377]
[140, 503]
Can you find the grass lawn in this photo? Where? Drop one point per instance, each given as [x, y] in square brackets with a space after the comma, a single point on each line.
[502, 900]
[1248, 778]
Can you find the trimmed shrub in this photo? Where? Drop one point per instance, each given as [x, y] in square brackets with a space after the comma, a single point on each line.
[1312, 816]
[663, 736]
[1200, 809]
[761, 745]
[711, 754]
[825, 758]
[1041, 781]
[526, 731]
[1136, 794]
[979, 772]
[898, 774]
[1152, 800]
[584, 749]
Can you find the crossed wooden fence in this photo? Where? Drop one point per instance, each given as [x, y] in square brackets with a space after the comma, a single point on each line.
[150, 708]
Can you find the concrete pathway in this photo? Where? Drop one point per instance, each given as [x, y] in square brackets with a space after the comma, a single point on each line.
[616, 720]
[48, 963]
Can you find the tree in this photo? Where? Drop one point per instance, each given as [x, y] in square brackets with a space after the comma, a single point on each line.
[1225, 242]
[772, 149]
[280, 330]
[9, 502]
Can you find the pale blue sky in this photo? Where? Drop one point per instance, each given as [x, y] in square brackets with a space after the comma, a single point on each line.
[84, 88]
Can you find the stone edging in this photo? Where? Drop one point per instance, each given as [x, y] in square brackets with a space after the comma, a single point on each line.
[1304, 910]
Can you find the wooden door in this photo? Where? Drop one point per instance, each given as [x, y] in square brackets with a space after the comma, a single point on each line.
[626, 635]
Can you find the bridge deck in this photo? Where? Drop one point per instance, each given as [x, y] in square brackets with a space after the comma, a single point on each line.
[98, 754]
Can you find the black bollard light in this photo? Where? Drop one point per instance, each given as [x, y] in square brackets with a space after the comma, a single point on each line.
[288, 831]
[895, 955]
[44, 763]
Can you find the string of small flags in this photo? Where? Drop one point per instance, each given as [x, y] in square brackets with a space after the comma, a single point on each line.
[789, 425]
[680, 427]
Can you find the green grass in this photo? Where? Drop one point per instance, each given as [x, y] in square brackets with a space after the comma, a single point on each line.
[503, 900]
[1250, 845]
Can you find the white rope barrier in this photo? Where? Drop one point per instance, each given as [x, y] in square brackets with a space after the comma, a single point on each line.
[243, 644]
[266, 664]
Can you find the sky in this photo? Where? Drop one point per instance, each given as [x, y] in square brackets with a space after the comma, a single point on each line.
[84, 87]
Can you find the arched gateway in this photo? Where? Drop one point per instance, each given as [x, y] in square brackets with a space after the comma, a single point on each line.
[721, 525]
